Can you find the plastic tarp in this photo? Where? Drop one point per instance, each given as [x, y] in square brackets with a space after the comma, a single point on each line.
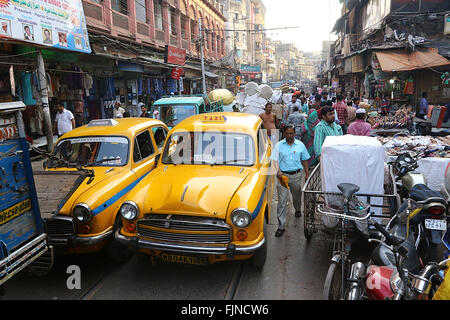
[434, 171]
[353, 159]
[398, 60]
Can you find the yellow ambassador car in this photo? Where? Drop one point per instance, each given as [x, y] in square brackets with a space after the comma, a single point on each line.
[121, 152]
[209, 197]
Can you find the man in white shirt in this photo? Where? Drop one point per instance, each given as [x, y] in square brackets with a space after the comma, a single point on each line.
[64, 120]
[118, 111]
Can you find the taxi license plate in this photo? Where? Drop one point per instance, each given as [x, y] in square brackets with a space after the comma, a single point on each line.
[184, 259]
[433, 224]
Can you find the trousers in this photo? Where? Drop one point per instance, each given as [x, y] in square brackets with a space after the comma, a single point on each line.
[295, 188]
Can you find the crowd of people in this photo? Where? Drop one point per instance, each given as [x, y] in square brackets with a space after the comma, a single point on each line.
[306, 122]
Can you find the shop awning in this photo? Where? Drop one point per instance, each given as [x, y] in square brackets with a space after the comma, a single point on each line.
[398, 60]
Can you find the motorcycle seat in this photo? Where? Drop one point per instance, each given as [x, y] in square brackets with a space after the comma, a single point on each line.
[348, 189]
[421, 192]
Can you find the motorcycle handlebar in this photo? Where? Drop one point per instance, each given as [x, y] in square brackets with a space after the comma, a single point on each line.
[390, 240]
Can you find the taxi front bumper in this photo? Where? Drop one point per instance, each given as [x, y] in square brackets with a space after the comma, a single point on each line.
[230, 250]
[77, 241]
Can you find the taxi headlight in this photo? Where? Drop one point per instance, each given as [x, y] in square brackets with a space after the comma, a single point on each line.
[241, 218]
[129, 210]
[82, 212]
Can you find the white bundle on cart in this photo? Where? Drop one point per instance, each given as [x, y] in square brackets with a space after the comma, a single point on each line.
[353, 159]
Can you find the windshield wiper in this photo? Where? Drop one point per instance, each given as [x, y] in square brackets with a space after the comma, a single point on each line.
[103, 160]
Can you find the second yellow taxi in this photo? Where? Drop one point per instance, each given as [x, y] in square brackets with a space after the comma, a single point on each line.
[121, 153]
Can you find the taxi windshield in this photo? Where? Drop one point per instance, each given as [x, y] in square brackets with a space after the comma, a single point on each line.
[174, 114]
[211, 148]
[92, 151]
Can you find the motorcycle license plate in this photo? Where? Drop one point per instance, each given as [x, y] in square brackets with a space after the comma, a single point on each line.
[436, 224]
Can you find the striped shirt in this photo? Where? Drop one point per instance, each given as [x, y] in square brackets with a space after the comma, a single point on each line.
[323, 130]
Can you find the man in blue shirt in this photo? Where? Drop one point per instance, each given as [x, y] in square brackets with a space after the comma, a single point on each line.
[290, 158]
[423, 108]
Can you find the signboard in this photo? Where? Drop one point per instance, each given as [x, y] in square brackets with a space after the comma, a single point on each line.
[176, 73]
[175, 55]
[54, 23]
[247, 68]
[129, 66]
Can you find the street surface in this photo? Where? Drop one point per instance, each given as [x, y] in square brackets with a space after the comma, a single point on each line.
[294, 270]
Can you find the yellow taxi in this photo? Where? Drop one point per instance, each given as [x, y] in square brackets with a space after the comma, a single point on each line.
[209, 197]
[121, 152]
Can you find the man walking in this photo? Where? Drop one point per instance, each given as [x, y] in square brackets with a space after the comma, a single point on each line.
[423, 108]
[118, 111]
[341, 111]
[326, 127]
[269, 119]
[145, 113]
[296, 119]
[294, 103]
[290, 158]
[64, 120]
[360, 127]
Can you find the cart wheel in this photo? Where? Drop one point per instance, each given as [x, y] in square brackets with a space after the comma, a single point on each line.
[333, 282]
[308, 218]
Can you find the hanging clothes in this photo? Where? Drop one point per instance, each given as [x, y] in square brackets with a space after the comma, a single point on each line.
[27, 92]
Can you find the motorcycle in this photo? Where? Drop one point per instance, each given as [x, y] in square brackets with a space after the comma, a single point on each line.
[394, 272]
[429, 219]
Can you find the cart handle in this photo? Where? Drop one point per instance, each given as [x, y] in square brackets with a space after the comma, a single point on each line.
[344, 216]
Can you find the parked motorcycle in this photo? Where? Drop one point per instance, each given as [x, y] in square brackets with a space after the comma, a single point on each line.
[428, 220]
[395, 273]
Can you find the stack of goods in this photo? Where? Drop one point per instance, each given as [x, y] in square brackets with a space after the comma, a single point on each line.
[402, 119]
[285, 88]
[353, 159]
[399, 145]
[256, 98]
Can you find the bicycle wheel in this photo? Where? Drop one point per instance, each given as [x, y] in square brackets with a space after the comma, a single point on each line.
[333, 282]
[308, 217]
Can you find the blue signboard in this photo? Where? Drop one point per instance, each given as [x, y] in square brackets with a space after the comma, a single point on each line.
[247, 68]
[54, 23]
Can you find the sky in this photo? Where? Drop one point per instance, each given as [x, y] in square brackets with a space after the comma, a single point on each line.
[313, 17]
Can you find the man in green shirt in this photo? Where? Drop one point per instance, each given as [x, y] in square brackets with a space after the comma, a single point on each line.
[326, 127]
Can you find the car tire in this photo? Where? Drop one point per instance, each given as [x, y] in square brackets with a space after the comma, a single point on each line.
[259, 258]
[117, 251]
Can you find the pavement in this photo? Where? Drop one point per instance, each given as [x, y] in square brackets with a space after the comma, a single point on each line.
[295, 269]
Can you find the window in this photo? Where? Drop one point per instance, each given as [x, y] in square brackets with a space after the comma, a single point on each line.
[261, 145]
[172, 27]
[184, 22]
[158, 14]
[143, 147]
[120, 6]
[193, 30]
[141, 11]
[160, 135]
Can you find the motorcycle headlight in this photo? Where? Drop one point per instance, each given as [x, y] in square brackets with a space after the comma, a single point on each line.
[241, 218]
[129, 210]
[82, 212]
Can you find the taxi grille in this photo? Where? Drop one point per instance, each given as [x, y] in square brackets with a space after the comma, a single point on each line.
[60, 226]
[168, 225]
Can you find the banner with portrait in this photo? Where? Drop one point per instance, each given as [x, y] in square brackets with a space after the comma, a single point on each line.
[54, 23]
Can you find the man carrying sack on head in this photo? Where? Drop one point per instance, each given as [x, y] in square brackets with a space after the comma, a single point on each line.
[290, 158]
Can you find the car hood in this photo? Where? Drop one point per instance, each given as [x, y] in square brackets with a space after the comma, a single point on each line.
[107, 184]
[193, 190]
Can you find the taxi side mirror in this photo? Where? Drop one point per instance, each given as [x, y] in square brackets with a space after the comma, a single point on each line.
[158, 156]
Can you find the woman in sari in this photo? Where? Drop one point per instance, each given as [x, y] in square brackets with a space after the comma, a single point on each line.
[308, 127]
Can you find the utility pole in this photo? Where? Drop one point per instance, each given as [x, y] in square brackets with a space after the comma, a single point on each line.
[44, 98]
[203, 58]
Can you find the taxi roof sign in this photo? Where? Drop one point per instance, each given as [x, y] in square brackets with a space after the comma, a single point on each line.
[102, 123]
[214, 118]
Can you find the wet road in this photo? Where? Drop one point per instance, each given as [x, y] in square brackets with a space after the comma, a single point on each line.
[294, 270]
